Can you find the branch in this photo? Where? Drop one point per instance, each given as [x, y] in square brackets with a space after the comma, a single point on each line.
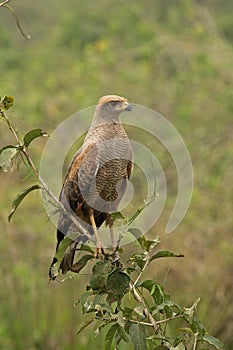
[4, 2]
[157, 322]
[195, 341]
[11, 127]
[143, 269]
[12, 11]
[145, 309]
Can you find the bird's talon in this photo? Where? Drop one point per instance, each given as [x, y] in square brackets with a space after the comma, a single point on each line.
[115, 256]
[100, 253]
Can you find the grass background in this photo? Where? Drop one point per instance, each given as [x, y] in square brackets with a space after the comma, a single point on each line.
[172, 56]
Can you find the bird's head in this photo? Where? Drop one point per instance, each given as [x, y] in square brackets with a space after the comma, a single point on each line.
[110, 107]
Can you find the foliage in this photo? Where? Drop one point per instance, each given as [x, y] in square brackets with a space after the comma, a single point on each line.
[107, 299]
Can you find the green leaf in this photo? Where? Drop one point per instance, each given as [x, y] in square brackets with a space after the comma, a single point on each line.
[98, 329]
[104, 308]
[99, 275]
[102, 268]
[139, 259]
[7, 155]
[148, 284]
[144, 243]
[156, 291]
[83, 298]
[197, 326]
[127, 311]
[140, 311]
[123, 335]
[85, 325]
[165, 254]
[31, 135]
[213, 341]
[117, 285]
[6, 102]
[185, 330]
[86, 248]
[81, 263]
[109, 336]
[116, 215]
[85, 302]
[20, 197]
[100, 299]
[166, 304]
[137, 334]
[148, 244]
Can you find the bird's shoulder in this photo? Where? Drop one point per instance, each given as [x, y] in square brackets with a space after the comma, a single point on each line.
[87, 150]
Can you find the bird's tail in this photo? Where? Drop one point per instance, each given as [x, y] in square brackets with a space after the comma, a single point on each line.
[68, 259]
[65, 264]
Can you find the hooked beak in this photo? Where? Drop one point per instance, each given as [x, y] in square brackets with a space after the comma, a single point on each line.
[128, 108]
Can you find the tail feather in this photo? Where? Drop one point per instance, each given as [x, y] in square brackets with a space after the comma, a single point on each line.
[65, 264]
[68, 259]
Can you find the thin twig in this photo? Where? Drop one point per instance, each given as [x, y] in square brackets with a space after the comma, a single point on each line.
[12, 11]
[4, 2]
[157, 322]
[11, 127]
[141, 322]
[195, 341]
[169, 319]
[143, 269]
[145, 309]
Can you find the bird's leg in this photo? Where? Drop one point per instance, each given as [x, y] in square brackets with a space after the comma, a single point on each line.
[110, 222]
[97, 238]
[113, 241]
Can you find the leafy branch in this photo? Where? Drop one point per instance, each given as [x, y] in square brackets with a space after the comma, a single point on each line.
[4, 2]
[143, 322]
[10, 154]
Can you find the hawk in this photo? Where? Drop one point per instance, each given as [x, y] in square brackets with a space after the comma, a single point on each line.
[96, 180]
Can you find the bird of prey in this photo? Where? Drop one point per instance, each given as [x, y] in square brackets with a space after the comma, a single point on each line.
[96, 180]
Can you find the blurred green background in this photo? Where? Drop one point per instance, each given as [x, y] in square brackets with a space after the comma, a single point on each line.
[174, 56]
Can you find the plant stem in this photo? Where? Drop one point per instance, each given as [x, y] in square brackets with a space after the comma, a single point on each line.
[11, 127]
[145, 309]
[157, 322]
[143, 269]
[195, 341]
[4, 2]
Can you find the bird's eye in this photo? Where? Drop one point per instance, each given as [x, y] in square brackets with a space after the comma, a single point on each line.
[113, 103]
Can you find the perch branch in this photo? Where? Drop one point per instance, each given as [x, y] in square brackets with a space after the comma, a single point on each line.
[145, 309]
[4, 2]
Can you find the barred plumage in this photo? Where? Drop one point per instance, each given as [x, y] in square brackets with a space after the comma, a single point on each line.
[97, 178]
